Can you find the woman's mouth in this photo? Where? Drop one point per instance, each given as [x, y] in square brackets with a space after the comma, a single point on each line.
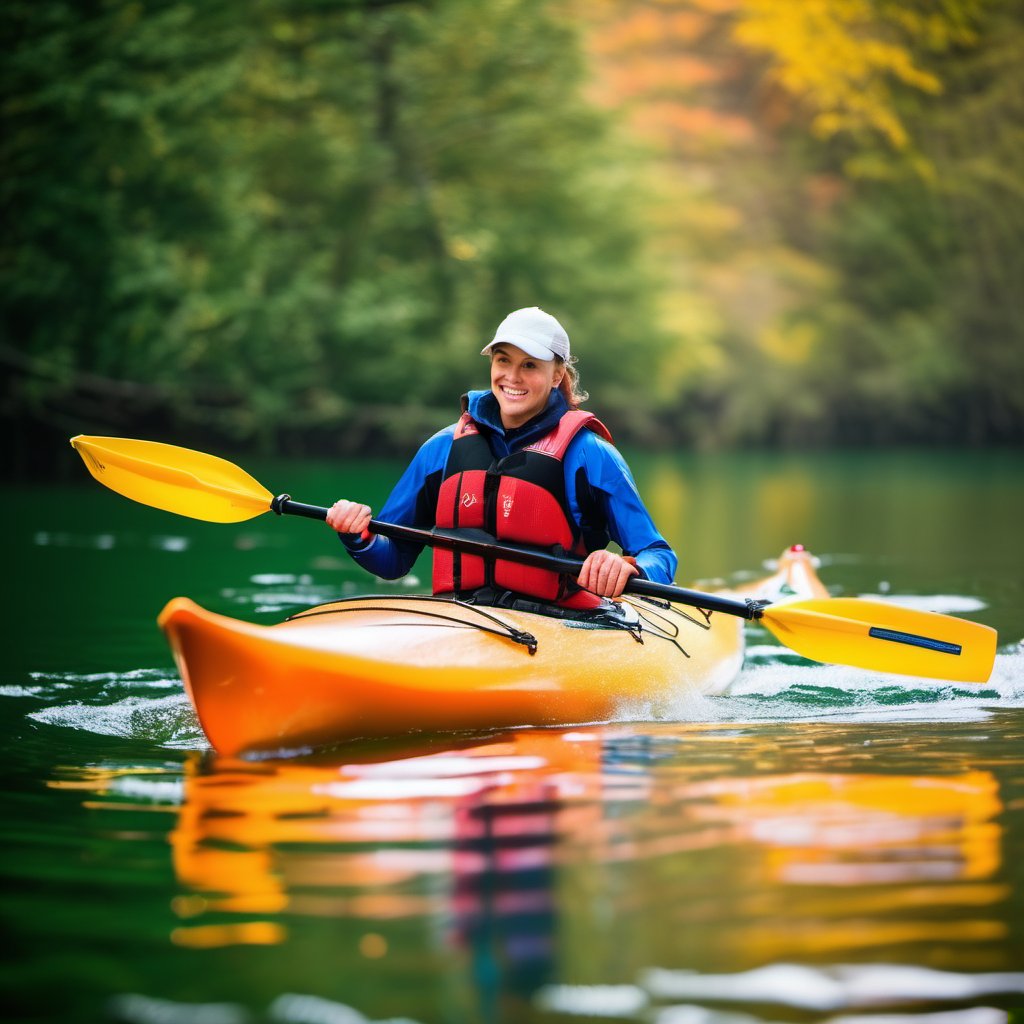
[513, 392]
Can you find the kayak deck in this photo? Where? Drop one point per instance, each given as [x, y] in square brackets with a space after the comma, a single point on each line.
[386, 665]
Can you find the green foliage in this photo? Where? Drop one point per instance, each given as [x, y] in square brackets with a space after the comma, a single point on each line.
[296, 225]
[300, 218]
[933, 343]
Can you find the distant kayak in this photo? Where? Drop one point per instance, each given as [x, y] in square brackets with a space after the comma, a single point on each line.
[383, 666]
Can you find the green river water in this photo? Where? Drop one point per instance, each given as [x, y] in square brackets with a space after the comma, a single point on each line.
[820, 843]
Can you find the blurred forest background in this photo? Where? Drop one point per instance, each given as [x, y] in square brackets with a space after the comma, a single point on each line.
[290, 225]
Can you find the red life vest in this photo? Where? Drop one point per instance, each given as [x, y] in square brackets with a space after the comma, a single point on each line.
[520, 499]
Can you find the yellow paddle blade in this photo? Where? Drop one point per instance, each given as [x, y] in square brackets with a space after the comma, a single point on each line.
[175, 479]
[886, 638]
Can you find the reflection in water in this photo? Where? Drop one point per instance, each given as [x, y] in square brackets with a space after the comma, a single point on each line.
[862, 829]
[514, 845]
[541, 871]
[462, 840]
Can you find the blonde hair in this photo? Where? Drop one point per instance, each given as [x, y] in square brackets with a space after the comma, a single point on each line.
[569, 385]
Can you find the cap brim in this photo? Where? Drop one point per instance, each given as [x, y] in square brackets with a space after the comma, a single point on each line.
[528, 345]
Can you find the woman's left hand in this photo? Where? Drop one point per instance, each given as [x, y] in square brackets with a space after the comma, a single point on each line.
[605, 573]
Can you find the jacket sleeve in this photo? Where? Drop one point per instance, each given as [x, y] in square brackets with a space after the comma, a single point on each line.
[412, 502]
[593, 464]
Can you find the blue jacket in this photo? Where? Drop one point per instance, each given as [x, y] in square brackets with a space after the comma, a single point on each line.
[611, 502]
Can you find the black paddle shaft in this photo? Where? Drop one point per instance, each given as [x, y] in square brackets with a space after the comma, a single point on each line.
[477, 542]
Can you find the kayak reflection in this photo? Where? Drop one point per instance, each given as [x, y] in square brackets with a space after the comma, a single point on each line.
[519, 846]
[463, 840]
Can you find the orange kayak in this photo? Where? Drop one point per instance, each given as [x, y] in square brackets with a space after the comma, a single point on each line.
[383, 666]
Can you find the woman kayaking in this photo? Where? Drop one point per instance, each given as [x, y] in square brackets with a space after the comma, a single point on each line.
[525, 464]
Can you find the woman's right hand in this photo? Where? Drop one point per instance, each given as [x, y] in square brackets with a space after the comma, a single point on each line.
[349, 517]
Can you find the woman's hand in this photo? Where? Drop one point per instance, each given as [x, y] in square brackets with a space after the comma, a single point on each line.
[605, 573]
[348, 517]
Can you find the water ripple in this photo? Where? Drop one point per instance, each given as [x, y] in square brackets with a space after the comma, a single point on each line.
[845, 986]
[167, 720]
[875, 987]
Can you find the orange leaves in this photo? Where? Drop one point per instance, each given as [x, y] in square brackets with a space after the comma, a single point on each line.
[661, 63]
[645, 27]
[673, 122]
[660, 74]
[847, 64]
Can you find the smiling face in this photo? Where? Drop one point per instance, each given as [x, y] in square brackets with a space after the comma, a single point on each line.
[521, 384]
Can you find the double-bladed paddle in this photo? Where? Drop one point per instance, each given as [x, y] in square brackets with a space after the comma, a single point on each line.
[844, 631]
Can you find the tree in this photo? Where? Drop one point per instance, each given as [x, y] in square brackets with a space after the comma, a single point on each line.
[840, 183]
[302, 222]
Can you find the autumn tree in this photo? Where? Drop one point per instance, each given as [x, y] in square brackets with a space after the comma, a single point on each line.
[840, 194]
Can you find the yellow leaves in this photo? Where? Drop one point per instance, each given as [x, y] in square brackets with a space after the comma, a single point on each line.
[887, 57]
[939, 27]
[844, 59]
[463, 249]
[694, 321]
[789, 344]
[848, 64]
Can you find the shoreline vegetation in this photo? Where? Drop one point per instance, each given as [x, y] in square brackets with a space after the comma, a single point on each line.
[764, 225]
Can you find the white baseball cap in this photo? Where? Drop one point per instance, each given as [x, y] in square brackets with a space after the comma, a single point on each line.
[537, 333]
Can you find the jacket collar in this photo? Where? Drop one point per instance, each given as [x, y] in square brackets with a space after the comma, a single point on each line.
[483, 407]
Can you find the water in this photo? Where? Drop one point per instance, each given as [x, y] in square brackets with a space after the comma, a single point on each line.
[820, 843]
